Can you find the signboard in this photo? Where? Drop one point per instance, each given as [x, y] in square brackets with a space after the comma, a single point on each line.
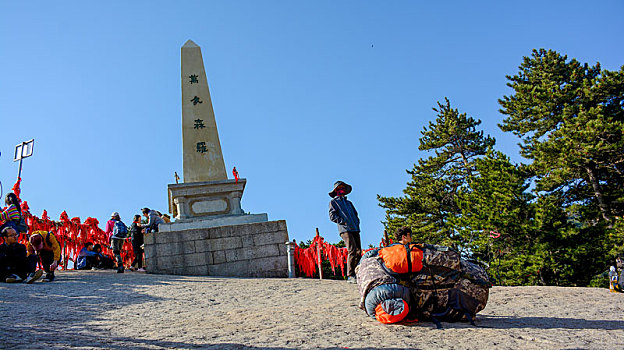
[24, 150]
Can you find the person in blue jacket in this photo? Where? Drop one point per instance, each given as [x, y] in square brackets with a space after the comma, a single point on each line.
[343, 213]
[87, 258]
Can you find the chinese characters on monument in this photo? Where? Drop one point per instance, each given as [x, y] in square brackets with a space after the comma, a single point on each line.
[202, 156]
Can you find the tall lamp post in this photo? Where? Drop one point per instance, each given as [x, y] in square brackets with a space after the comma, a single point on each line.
[23, 150]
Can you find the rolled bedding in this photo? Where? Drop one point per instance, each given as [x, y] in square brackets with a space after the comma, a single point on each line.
[388, 303]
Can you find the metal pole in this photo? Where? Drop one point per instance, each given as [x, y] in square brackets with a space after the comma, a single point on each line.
[19, 172]
[290, 249]
[65, 254]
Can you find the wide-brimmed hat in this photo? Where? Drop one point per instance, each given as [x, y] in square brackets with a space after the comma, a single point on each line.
[346, 186]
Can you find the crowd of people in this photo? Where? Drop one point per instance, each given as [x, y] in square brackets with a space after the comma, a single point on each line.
[19, 262]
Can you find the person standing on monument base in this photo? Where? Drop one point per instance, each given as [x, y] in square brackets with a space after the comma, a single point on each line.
[153, 220]
[343, 213]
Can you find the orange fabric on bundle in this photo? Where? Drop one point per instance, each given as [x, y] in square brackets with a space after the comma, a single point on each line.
[395, 258]
[382, 316]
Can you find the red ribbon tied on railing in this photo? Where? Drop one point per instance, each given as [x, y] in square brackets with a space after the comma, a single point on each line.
[71, 234]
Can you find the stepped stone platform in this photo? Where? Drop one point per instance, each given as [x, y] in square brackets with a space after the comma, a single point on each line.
[245, 250]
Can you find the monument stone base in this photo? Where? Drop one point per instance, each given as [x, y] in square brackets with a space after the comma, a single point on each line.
[244, 250]
[200, 200]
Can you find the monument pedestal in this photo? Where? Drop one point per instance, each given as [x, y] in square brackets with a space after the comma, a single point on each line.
[213, 236]
[246, 250]
[190, 201]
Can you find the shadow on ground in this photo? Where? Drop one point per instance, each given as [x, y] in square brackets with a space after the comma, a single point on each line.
[55, 315]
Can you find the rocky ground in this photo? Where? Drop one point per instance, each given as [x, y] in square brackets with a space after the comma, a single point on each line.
[102, 309]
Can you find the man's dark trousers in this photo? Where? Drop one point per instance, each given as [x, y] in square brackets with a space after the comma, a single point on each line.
[354, 248]
[47, 258]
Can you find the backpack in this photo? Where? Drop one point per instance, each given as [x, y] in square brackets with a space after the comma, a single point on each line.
[120, 230]
[441, 285]
[402, 258]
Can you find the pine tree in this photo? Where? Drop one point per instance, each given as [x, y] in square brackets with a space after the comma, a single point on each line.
[570, 117]
[430, 203]
[497, 216]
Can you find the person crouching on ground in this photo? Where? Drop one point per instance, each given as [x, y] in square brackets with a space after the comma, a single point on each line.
[104, 261]
[87, 258]
[343, 213]
[118, 234]
[137, 241]
[44, 247]
[14, 265]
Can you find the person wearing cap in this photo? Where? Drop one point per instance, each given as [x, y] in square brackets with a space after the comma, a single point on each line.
[110, 225]
[44, 247]
[153, 220]
[14, 265]
[343, 213]
[116, 238]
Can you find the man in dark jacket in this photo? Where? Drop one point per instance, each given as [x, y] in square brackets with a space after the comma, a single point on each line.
[343, 213]
[14, 266]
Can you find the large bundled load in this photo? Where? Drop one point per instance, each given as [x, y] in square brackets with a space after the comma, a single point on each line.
[421, 281]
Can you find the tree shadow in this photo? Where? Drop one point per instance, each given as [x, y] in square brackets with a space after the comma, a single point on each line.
[57, 314]
[540, 322]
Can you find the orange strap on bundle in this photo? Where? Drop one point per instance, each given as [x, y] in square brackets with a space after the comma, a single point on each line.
[397, 259]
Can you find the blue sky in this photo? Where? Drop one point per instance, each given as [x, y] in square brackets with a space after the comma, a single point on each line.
[305, 93]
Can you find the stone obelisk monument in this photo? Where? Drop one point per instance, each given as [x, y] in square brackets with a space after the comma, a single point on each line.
[203, 159]
[206, 193]
[211, 234]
